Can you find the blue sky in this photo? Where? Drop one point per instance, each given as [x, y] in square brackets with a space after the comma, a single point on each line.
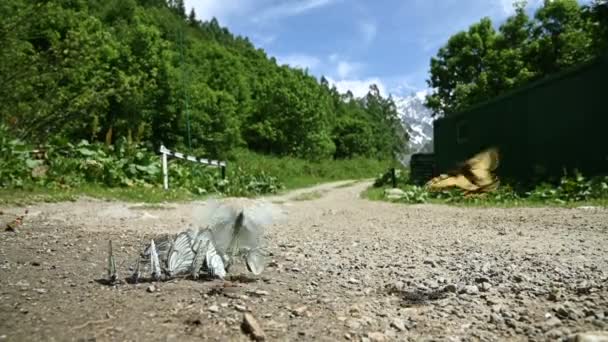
[355, 42]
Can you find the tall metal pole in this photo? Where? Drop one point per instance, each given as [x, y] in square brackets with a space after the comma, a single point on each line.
[184, 90]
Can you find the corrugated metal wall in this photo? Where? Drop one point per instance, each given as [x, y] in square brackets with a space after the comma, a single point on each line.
[557, 123]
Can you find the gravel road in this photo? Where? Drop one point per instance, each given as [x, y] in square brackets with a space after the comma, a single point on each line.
[342, 268]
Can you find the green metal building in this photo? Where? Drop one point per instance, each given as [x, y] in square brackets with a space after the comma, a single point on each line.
[551, 125]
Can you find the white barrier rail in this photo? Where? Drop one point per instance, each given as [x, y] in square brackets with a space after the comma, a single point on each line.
[166, 152]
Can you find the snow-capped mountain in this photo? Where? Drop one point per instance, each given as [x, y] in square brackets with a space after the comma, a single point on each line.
[417, 121]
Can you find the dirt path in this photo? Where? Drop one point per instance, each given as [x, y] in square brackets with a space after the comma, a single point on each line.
[342, 268]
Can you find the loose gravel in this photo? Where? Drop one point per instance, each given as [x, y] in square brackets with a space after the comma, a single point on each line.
[341, 268]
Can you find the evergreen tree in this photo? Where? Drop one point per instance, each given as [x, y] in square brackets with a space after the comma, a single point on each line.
[192, 18]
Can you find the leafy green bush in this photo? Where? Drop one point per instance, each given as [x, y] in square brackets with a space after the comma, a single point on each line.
[121, 165]
[415, 194]
[569, 189]
[15, 166]
[572, 189]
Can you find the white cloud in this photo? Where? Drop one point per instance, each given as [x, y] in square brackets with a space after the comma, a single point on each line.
[333, 65]
[368, 32]
[347, 69]
[300, 61]
[359, 87]
[343, 68]
[257, 10]
[288, 8]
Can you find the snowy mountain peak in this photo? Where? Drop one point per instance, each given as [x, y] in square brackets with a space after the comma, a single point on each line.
[417, 120]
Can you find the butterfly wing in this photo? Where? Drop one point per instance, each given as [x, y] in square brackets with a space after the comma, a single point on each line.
[111, 264]
[181, 256]
[256, 261]
[482, 166]
[215, 263]
[199, 257]
[444, 182]
[219, 219]
[154, 262]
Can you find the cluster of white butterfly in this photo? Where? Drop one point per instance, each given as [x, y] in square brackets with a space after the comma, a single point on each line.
[226, 233]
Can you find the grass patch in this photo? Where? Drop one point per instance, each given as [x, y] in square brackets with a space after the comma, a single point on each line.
[31, 195]
[374, 194]
[377, 194]
[21, 197]
[296, 173]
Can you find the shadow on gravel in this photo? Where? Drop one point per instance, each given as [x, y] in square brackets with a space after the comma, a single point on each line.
[419, 297]
[230, 281]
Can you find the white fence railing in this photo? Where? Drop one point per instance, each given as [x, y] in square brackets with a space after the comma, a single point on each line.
[168, 153]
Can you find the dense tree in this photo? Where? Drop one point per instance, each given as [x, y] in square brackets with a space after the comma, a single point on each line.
[508, 63]
[560, 36]
[390, 137]
[59, 69]
[179, 8]
[145, 71]
[481, 63]
[459, 73]
[596, 14]
[192, 17]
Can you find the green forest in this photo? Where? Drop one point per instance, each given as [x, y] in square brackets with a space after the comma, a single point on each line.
[483, 62]
[99, 85]
[148, 72]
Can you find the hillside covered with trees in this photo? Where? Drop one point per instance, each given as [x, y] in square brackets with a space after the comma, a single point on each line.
[484, 62]
[147, 72]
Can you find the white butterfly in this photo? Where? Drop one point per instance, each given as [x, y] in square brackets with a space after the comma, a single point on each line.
[225, 233]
